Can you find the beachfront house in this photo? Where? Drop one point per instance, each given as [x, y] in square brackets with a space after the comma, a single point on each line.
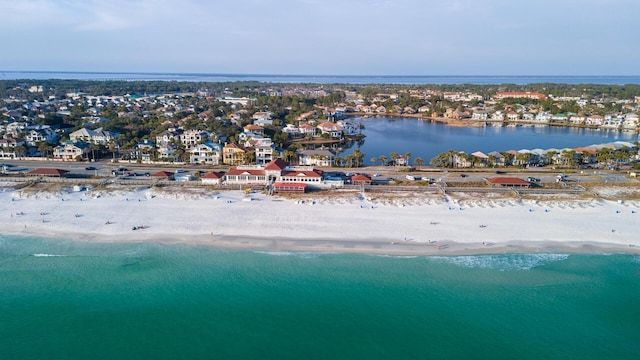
[72, 150]
[233, 154]
[212, 178]
[205, 153]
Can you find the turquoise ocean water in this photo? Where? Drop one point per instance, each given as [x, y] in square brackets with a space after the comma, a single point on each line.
[62, 299]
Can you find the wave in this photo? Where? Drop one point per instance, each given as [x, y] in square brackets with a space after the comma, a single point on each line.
[397, 256]
[301, 254]
[503, 262]
[48, 255]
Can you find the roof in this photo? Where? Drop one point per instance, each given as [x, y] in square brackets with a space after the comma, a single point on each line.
[163, 174]
[282, 184]
[48, 172]
[246, 172]
[276, 164]
[213, 175]
[301, 173]
[360, 177]
[507, 181]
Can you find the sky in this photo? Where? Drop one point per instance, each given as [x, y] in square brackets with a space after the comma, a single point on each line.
[323, 37]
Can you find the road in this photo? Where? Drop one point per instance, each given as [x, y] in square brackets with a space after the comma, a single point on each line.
[104, 168]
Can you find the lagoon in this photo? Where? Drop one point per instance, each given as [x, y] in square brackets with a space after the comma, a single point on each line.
[426, 139]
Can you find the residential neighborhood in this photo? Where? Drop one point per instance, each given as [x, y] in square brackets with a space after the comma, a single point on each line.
[306, 125]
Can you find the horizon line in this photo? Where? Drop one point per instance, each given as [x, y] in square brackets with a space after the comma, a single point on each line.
[295, 75]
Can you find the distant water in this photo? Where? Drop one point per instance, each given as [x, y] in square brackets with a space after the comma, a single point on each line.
[425, 139]
[131, 301]
[323, 79]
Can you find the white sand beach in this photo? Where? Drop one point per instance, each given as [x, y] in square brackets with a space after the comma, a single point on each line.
[399, 223]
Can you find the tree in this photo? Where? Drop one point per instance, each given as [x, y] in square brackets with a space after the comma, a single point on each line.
[408, 156]
[419, 161]
[383, 160]
[373, 160]
[393, 157]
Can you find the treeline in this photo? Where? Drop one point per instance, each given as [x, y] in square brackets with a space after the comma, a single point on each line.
[60, 87]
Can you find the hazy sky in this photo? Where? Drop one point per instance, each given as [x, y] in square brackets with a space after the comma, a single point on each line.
[340, 37]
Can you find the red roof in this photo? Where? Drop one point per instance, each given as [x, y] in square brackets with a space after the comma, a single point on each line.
[253, 127]
[360, 177]
[507, 181]
[301, 173]
[163, 174]
[48, 172]
[276, 164]
[282, 184]
[246, 172]
[213, 175]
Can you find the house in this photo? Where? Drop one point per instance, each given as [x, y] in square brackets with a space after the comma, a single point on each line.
[97, 136]
[513, 116]
[316, 157]
[479, 159]
[307, 129]
[233, 154]
[46, 134]
[630, 122]
[254, 129]
[497, 116]
[543, 117]
[594, 120]
[168, 136]
[71, 150]
[496, 158]
[205, 153]
[212, 178]
[577, 119]
[480, 115]
[262, 115]
[333, 130]
[12, 148]
[264, 152]
[190, 138]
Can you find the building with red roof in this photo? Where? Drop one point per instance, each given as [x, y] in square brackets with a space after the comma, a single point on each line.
[508, 181]
[281, 187]
[212, 178]
[48, 172]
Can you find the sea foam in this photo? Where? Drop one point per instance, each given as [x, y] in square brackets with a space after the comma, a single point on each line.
[503, 261]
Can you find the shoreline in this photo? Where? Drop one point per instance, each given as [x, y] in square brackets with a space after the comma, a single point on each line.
[344, 222]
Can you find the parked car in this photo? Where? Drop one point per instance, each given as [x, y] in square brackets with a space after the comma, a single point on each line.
[463, 175]
[533, 179]
[89, 168]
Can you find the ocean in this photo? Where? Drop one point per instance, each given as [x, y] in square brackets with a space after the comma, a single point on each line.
[61, 299]
[326, 79]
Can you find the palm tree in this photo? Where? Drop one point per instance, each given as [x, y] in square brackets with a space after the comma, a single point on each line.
[373, 160]
[419, 161]
[393, 156]
[408, 156]
[549, 156]
[383, 160]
